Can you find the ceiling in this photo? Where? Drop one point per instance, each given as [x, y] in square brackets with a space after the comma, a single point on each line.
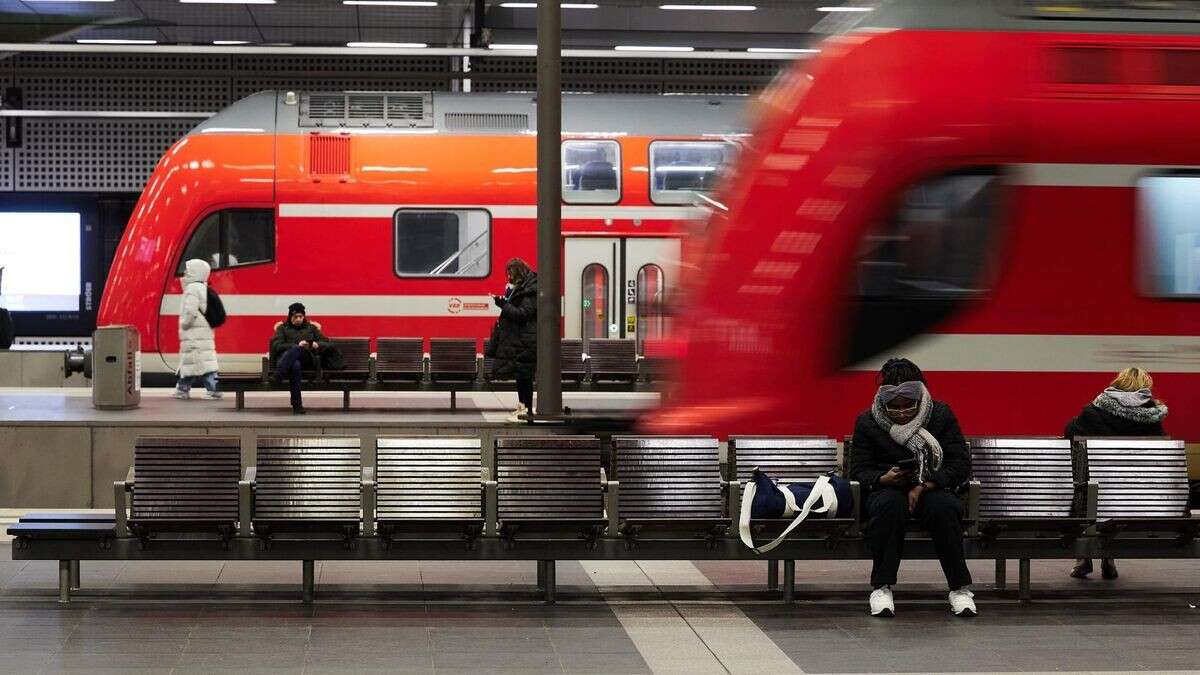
[779, 23]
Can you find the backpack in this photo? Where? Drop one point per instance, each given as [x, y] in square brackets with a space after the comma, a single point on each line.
[214, 312]
[764, 498]
[6, 329]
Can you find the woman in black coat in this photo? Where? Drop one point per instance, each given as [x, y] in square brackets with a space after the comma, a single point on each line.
[1126, 408]
[514, 337]
[910, 455]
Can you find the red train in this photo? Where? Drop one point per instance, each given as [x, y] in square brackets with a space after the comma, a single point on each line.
[1005, 192]
[393, 214]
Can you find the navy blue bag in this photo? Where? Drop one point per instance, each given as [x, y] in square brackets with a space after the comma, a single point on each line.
[828, 497]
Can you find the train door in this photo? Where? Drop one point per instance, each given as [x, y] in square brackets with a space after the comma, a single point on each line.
[615, 287]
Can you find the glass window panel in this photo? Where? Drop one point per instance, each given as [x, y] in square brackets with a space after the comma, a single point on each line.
[205, 243]
[650, 319]
[1170, 256]
[679, 169]
[591, 172]
[443, 243]
[249, 237]
[595, 302]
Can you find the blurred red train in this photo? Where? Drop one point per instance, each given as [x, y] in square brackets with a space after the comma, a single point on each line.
[1006, 192]
[393, 214]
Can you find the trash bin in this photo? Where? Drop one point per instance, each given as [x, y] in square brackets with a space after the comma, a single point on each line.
[116, 368]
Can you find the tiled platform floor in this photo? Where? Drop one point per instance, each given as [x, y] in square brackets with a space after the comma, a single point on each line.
[621, 617]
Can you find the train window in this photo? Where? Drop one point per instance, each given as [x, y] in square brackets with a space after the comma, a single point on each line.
[933, 253]
[443, 243]
[679, 169]
[233, 238]
[1170, 252]
[591, 172]
[595, 303]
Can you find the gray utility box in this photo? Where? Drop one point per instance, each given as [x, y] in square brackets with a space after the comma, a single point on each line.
[116, 368]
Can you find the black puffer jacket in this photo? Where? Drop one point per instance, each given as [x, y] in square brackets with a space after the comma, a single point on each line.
[514, 338]
[1094, 421]
[288, 336]
[874, 451]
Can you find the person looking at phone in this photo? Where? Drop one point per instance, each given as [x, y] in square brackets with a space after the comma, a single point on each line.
[294, 348]
[910, 455]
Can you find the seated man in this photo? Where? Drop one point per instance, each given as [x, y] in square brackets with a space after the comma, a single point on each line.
[909, 453]
[294, 348]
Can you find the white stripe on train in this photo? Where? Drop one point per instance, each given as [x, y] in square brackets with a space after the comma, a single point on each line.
[527, 211]
[348, 305]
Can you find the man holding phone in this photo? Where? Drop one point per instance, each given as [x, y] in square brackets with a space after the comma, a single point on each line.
[910, 455]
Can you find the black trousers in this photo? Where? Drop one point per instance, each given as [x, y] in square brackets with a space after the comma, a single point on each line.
[289, 368]
[939, 512]
[525, 392]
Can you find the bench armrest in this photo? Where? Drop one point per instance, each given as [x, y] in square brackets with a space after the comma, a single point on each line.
[735, 506]
[856, 494]
[1091, 500]
[246, 501]
[368, 501]
[612, 503]
[372, 368]
[974, 489]
[491, 501]
[266, 369]
[121, 489]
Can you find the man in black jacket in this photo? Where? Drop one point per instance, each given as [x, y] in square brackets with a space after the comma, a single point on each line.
[910, 456]
[294, 347]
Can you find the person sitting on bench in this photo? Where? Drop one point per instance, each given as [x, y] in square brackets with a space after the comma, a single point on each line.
[294, 348]
[909, 453]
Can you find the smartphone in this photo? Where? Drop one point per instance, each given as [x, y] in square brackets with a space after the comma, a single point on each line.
[909, 464]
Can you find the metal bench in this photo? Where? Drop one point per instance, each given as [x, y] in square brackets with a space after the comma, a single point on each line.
[1028, 490]
[574, 368]
[612, 360]
[429, 487]
[307, 485]
[400, 359]
[360, 365]
[181, 484]
[452, 359]
[356, 352]
[1143, 487]
[668, 485]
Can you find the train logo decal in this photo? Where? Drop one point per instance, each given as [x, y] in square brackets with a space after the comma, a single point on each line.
[455, 305]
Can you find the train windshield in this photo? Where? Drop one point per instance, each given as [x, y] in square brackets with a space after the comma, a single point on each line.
[919, 265]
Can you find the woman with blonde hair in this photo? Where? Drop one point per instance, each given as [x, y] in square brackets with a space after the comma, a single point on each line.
[1126, 408]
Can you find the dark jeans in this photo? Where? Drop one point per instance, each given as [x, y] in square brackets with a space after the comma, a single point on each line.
[289, 368]
[939, 512]
[525, 392]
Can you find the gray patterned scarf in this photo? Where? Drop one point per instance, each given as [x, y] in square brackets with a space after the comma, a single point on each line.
[924, 447]
[1131, 405]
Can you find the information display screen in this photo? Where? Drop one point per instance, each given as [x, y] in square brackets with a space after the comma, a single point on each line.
[40, 254]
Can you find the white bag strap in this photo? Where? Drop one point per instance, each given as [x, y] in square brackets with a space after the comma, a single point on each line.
[822, 490]
[748, 493]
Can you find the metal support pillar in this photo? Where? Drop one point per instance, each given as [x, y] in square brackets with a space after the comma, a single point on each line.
[453, 400]
[1001, 574]
[549, 209]
[541, 574]
[789, 581]
[345, 399]
[306, 567]
[74, 575]
[772, 575]
[1023, 592]
[550, 569]
[64, 581]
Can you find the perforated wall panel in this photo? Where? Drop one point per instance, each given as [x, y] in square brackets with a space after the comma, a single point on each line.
[123, 92]
[243, 87]
[627, 76]
[92, 155]
[6, 169]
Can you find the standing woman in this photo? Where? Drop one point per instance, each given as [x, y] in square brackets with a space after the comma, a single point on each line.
[1126, 408]
[514, 337]
[197, 346]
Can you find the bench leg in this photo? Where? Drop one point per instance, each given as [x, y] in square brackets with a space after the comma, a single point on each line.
[541, 574]
[64, 581]
[453, 400]
[772, 575]
[74, 575]
[550, 569]
[789, 581]
[239, 399]
[345, 399]
[307, 574]
[1001, 574]
[1023, 592]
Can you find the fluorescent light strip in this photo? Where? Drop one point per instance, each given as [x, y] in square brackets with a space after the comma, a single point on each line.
[221, 43]
[782, 50]
[389, 45]
[711, 8]
[114, 41]
[227, 2]
[565, 5]
[844, 9]
[71, 0]
[393, 3]
[635, 48]
[506, 47]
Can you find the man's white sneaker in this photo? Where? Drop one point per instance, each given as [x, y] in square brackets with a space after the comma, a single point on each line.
[181, 395]
[214, 395]
[962, 602]
[881, 602]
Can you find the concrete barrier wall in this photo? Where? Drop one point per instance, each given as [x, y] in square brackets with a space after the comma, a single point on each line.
[20, 368]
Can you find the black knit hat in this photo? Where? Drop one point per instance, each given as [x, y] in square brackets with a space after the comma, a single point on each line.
[295, 308]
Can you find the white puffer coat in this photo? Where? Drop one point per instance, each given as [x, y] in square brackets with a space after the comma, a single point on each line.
[197, 348]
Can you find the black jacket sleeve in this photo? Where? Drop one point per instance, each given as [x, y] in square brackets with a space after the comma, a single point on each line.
[520, 309]
[1073, 429]
[279, 342]
[866, 465]
[956, 458]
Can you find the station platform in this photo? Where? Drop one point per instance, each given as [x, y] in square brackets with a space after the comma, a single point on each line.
[60, 452]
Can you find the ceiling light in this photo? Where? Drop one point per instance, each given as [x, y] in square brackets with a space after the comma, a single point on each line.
[712, 8]
[512, 47]
[72, 0]
[843, 9]
[635, 48]
[228, 2]
[114, 41]
[782, 50]
[393, 3]
[565, 5]
[389, 45]
[231, 42]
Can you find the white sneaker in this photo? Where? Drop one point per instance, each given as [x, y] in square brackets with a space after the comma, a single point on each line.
[962, 602]
[214, 395]
[515, 417]
[181, 395]
[881, 602]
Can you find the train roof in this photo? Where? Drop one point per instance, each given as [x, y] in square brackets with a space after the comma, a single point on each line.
[491, 114]
[1167, 17]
